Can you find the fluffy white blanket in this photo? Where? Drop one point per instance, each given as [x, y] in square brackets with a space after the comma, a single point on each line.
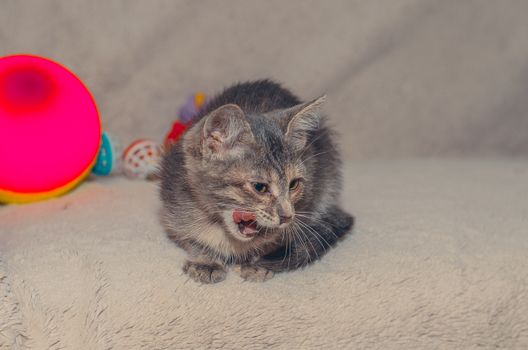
[438, 259]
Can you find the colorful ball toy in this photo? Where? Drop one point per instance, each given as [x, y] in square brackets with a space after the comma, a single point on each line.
[49, 129]
[141, 159]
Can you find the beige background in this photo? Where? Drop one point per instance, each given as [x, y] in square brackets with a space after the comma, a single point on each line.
[404, 77]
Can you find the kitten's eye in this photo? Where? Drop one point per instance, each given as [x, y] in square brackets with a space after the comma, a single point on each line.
[260, 187]
[295, 184]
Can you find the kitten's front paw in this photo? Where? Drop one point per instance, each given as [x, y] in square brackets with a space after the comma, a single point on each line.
[254, 273]
[204, 273]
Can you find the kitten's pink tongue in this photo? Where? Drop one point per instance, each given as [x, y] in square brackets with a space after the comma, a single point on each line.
[239, 216]
[246, 222]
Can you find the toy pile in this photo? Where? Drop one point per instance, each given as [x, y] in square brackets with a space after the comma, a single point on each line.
[50, 133]
[140, 159]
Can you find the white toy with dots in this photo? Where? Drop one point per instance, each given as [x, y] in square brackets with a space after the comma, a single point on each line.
[141, 159]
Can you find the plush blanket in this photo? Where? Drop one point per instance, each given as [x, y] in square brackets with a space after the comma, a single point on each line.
[438, 259]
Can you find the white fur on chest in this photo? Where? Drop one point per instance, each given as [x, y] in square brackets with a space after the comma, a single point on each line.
[213, 236]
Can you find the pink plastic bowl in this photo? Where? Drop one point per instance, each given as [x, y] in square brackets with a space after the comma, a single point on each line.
[49, 129]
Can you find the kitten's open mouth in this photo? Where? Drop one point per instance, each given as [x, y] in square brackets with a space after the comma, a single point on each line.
[246, 222]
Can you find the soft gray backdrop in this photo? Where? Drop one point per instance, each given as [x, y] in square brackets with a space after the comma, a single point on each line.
[404, 77]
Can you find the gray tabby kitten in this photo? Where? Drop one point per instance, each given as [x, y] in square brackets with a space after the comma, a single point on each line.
[254, 182]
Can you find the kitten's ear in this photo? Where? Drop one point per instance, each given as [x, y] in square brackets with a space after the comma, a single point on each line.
[302, 119]
[225, 132]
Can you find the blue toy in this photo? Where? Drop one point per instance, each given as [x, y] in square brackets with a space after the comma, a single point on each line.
[109, 158]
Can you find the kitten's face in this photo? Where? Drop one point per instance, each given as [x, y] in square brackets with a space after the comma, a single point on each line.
[248, 169]
[256, 197]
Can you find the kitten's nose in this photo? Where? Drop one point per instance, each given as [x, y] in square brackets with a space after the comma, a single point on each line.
[285, 219]
[285, 212]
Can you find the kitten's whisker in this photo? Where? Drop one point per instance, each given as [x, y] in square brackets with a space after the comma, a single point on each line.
[328, 226]
[303, 240]
[315, 219]
[316, 235]
[298, 242]
[309, 241]
[287, 250]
